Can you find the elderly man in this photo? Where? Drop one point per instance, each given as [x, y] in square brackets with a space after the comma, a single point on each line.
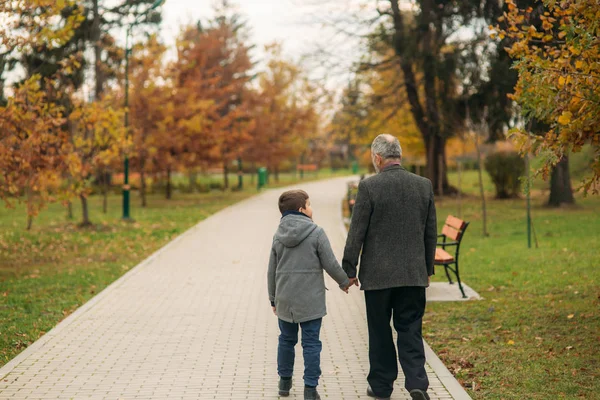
[394, 223]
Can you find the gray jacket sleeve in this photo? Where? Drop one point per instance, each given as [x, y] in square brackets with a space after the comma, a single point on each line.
[361, 216]
[271, 274]
[430, 234]
[329, 262]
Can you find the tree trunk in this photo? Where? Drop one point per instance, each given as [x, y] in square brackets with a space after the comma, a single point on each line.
[69, 210]
[169, 189]
[277, 174]
[458, 193]
[85, 221]
[143, 187]
[193, 176]
[436, 167]
[253, 173]
[561, 191]
[426, 118]
[95, 38]
[104, 192]
[481, 191]
[29, 192]
[225, 176]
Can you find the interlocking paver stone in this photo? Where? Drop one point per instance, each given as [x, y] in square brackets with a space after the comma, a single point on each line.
[193, 321]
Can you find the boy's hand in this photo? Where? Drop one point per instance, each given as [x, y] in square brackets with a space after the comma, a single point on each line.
[353, 281]
[274, 310]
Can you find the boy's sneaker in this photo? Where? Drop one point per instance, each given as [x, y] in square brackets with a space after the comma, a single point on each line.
[311, 394]
[284, 387]
[418, 394]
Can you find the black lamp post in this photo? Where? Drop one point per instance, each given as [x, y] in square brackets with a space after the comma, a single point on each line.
[126, 205]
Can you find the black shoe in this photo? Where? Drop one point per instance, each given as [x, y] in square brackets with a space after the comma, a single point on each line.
[418, 394]
[311, 394]
[284, 387]
[370, 393]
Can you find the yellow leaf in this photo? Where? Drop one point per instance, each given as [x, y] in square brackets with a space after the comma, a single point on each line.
[565, 118]
[579, 64]
[561, 81]
[562, 34]
[511, 342]
[570, 316]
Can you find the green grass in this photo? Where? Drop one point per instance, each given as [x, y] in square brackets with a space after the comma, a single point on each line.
[536, 333]
[46, 273]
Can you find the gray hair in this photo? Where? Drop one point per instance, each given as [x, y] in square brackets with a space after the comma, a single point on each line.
[387, 146]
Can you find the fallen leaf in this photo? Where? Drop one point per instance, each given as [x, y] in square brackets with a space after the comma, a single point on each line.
[511, 342]
[570, 316]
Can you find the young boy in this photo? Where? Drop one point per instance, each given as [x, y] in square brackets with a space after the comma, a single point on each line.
[300, 253]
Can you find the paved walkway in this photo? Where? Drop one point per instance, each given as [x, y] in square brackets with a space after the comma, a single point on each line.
[193, 322]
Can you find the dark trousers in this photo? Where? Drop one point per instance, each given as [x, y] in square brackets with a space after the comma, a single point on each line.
[407, 306]
[311, 346]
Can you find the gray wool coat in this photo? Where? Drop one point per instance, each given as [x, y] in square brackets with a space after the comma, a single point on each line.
[300, 253]
[394, 224]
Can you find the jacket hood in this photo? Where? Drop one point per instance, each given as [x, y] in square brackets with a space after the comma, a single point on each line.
[293, 229]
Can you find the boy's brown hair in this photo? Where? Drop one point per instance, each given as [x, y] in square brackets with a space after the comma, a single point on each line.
[292, 200]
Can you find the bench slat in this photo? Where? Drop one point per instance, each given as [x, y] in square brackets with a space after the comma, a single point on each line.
[442, 255]
[454, 222]
[451, 232]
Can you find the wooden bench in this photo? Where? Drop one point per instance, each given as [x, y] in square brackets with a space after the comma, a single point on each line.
[452, 234]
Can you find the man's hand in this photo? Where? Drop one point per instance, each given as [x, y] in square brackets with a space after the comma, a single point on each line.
[274, 310]
[353, 281]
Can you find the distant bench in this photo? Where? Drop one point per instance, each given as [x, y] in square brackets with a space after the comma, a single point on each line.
[452, 234]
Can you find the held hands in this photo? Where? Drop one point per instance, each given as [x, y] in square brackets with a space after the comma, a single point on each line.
[353, 281]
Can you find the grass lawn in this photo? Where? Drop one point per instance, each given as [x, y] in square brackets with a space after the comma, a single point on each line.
[46, 273]
[536, 334]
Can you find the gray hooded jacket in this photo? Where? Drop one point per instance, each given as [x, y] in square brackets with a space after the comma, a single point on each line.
[300, 253]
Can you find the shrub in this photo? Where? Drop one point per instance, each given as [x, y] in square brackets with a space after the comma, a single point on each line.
[505, 169]
[216, 186]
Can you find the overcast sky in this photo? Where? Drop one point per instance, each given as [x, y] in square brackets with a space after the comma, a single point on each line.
[290, 22]
[269, 20]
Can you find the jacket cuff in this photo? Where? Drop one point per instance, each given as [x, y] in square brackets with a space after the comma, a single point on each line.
[345, 284]
[272, 303]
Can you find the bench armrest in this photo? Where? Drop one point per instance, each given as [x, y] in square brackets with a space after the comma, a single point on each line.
[441, 235]
[444, 244]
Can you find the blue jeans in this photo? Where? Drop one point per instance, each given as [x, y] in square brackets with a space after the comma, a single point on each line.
[311, 346]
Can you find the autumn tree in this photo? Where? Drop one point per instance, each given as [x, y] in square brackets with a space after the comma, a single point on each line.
[34, 143]
[150, 93]
[284, 111]
[33, 148]
[186, 141]
[231, 120]
[102, 19]
[559, 73]
[97, 139]
[375, 102]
